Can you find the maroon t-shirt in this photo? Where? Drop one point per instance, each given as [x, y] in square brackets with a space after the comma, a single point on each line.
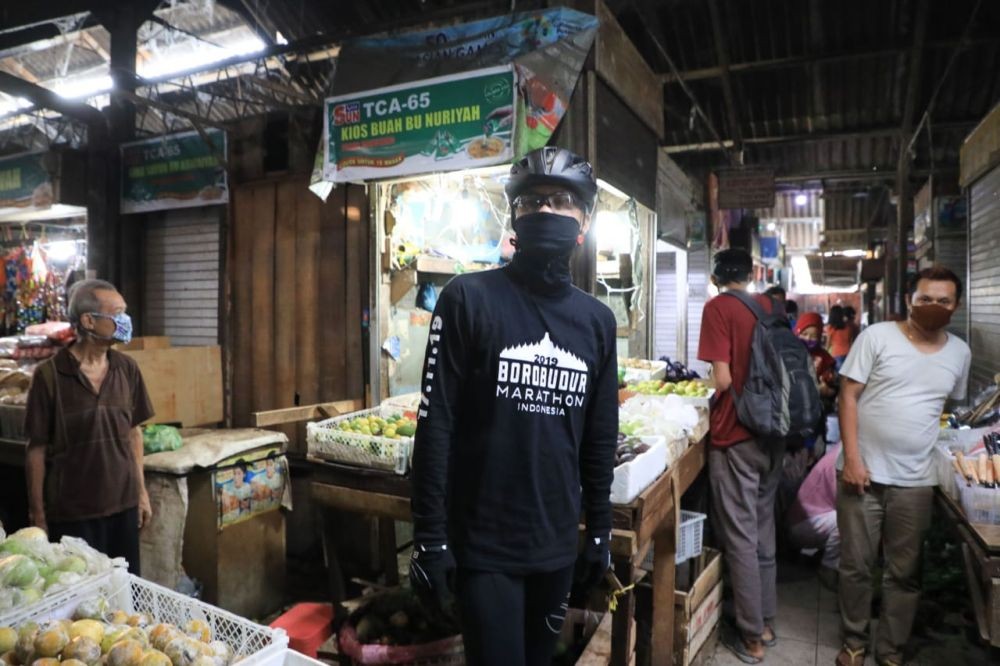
[726, 335]
[90, 469]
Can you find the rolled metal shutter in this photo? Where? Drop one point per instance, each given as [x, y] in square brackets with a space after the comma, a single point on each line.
[984, 279]
[698, 270]
[666, 305]
[183, 268]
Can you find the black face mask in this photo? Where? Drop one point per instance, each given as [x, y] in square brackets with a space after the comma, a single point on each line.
[544, 244]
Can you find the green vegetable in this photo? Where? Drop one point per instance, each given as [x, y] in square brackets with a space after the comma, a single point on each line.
[159, 438]
[17, 571]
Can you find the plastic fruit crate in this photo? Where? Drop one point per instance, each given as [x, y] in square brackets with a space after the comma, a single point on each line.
[689, 539]
[252, 644]
[981, 505]
[633, 477]
[49, 603]
[327, 440]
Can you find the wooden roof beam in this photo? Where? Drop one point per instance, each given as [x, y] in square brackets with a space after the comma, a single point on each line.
[703, 73]
[722, 55]
[873, 133]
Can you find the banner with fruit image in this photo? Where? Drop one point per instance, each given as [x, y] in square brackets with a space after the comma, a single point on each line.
[250, 486]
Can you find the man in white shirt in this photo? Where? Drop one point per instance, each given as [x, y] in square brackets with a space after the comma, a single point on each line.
[896, 381]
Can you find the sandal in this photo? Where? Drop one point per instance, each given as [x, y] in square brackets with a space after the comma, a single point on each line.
[773, 640]
[734, 642]
[849, 657]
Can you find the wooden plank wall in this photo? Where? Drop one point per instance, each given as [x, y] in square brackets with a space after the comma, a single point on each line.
[298, 286]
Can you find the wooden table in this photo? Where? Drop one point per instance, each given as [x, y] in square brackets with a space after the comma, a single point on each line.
[650, 520]
[981, 550]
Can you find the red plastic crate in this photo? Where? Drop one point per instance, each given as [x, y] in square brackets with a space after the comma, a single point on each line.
[308, 625]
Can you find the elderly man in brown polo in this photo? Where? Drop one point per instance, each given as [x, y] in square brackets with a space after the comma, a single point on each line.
[85, 405]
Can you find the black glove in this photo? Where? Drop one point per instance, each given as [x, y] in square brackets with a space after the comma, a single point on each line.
[594, 561]
[431, 573]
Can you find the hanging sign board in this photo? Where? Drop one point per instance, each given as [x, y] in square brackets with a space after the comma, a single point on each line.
[25, 182]
[174, 171]
[447, 123]
[748, 188]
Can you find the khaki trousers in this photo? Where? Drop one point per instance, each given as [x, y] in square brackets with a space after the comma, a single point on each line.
[744, 484]
[895, 518]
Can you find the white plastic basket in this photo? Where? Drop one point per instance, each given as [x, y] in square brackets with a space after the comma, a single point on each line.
[689, 539]
[653, 369]
[326, 440]
[252, 644]
[981, 505]
[53, 602]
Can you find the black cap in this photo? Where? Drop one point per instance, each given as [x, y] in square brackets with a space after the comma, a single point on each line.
[732, 265]
[553, 166]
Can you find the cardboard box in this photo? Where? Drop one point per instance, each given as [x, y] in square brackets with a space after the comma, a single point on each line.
[698, 610]
[184, 384]
[147, 343]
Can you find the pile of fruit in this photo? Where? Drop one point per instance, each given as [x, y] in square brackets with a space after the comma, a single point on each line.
[398, 618]
[629, 448]
[31, 567]
[677, 371]
[97, 637]
[393, 427]
[638, 364]
[686, 388]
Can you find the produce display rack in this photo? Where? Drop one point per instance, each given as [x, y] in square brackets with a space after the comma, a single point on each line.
[981, 554]
[253, 644]
[652, 518]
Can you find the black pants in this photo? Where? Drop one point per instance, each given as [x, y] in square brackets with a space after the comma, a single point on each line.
[512, 620]
[115, 536]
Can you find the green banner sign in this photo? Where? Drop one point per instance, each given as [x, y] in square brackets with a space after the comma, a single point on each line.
[174, 171]
[443, 124]
[25, 182]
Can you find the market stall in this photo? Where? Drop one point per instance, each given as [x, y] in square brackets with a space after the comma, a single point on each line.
[968, 467]
[359, 463]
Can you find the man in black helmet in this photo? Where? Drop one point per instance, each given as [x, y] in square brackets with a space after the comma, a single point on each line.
[517, 428]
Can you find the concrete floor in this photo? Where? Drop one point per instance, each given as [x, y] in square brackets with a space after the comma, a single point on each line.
[809, 630]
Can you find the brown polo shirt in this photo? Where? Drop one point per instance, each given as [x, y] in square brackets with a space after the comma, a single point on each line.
[90, 472]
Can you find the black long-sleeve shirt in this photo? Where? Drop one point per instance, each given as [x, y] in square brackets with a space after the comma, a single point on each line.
[518, 415]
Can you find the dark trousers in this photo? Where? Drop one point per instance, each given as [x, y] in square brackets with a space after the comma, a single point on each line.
[897, 519]
[512, 620]
[744, 484]
[116, 535]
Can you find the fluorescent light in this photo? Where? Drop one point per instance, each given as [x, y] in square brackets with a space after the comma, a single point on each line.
[771, 226]
[60, 251]
[83, 87]
[180, 59]
[612, 232]
[801, 199]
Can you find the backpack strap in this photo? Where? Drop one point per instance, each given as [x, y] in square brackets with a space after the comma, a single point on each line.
[749, 302]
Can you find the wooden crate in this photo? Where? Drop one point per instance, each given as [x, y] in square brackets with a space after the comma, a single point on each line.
[184, 384]
[146, 343]
[697, 611]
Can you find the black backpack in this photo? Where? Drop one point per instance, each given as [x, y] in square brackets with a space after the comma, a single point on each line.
[779, 398]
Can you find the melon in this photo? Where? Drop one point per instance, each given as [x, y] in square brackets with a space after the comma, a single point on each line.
[10, 659]
[185, 651]
[155, 658]
[113, 634]
[223, 654]
[51, 640]
[73, 662]
[126, 653]
[198, 630]
[140, 620]
[45, 661]
[119, 617]
[30, 534]
[25, 647]
[91, 609]
[162, 634]
[83, 648]
[92, 629]
[8, 639]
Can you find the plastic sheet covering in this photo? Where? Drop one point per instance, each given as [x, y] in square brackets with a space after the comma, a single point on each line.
[162, 540]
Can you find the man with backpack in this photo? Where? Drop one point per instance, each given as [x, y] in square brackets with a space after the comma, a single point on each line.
[758, 405]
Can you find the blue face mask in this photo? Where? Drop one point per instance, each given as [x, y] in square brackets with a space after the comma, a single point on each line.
[123, 327]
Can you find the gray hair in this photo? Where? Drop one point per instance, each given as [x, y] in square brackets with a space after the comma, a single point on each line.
[83, 299]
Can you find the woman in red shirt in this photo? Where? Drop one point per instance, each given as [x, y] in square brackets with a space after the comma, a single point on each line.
[839, 335]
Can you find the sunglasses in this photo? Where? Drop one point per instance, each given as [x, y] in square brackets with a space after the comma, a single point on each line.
[560, 202]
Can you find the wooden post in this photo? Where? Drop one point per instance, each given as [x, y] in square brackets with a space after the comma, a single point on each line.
[664, 582]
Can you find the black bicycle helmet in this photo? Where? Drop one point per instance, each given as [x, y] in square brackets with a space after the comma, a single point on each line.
[553, 166]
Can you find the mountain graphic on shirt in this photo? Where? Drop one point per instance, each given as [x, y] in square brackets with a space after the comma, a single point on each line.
[529, 353]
